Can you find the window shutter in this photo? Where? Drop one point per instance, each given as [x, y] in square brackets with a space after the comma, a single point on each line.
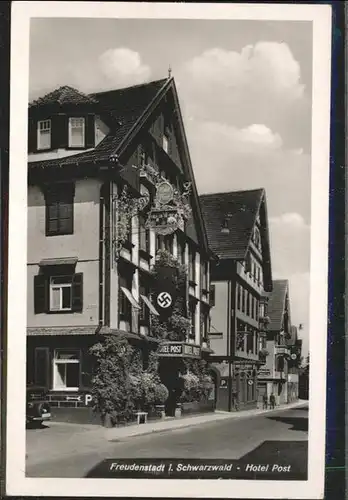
[212, 295]
[89, 131]
[40, 294]
[77, 292]
[59, 131]
[32, 136]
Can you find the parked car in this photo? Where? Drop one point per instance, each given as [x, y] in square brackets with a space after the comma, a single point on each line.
[38, 409]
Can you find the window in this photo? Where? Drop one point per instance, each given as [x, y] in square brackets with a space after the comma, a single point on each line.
[66, 369]
[192, 312]
[76, 132]
[169, 243]
[144, 235]
[257, 238]
[248, 261]
[239, 296]
[256, 313]
[248, 301]
[204, 276]
[60, 210]
[165, 143]
[144, 313]
[181, 251]
[192, 269]
[44, 134]
[250, 341]
[124, 306]
[244, 296]
[212, 296]
[204, 323]
[58, 293]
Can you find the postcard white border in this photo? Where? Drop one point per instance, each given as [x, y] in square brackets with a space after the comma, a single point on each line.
[16, 482]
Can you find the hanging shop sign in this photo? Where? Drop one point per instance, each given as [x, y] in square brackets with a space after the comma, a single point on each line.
[170, 209]
[178, 350]
[265, 372]
[164, 193]
[282, 350]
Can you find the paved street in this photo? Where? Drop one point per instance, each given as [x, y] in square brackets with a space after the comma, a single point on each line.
[257, 437]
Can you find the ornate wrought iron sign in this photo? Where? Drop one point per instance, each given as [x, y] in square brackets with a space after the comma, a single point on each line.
[170, 209]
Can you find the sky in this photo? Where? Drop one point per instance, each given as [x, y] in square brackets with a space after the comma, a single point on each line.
[245, 94]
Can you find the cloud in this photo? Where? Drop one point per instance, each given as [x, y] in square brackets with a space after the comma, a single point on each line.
[250, 158]
[290, 244]
[122, 66]
[259, 84]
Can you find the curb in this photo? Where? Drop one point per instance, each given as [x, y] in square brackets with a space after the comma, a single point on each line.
[178, 425]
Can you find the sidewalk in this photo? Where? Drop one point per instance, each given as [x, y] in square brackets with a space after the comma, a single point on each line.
[120, 434]
[61, 440]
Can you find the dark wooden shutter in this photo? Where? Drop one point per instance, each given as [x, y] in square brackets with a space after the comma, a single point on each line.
[40, 294]
[59, 131]
[212, 295]
[77, 292]
[89, 131]
[32, 135]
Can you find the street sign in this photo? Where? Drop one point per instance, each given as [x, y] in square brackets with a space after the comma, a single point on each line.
[250, 382]
[293, 356]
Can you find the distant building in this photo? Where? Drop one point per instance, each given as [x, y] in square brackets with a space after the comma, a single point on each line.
[294, 370]
[273, 376]
[237, 229]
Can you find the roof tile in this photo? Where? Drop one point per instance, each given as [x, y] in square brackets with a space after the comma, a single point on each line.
[241, 207]
[63, 95]
[276, 304]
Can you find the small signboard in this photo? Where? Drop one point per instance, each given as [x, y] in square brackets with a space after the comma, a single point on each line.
[178, 350]
[264, 373]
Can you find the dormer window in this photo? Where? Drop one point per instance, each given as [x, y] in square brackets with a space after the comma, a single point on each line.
[44, 134]
[76, 132]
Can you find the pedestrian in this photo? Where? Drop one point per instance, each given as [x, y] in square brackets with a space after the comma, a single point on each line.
[265, 401]
[272, 401]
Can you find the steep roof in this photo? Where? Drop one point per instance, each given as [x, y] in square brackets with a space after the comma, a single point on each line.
[276, 304]
[123, 107]
[240, 208]
[63, 95]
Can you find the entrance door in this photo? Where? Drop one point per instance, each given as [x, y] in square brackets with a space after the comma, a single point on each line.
[262, 390]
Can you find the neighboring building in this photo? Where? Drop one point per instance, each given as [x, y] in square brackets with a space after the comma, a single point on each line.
[294, 370]
[273, 376]
[237, 229]
[82, 151]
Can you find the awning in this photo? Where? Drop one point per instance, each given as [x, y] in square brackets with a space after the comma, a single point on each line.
[149, 305]
[63, 261]
[130, 298]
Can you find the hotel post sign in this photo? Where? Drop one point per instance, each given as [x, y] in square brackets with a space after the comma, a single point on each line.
[178, 350]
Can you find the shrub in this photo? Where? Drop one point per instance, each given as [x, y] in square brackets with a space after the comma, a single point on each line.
[111, 383]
